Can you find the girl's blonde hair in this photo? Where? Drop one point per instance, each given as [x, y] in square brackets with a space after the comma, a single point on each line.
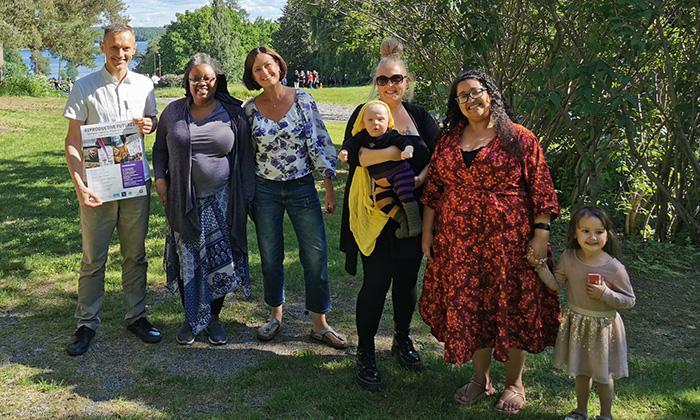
[612, 246]
[391, 51]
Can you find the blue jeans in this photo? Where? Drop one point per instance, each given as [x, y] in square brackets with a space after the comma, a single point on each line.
[300, 199]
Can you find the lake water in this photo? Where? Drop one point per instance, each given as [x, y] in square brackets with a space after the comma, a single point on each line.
[82, 71]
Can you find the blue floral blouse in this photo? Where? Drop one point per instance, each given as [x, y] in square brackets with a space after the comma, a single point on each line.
[294, 146]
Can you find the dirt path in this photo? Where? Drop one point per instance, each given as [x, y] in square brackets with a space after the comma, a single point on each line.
[329, 112]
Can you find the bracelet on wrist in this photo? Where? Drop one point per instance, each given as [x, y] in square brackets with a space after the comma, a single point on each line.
[542, 226]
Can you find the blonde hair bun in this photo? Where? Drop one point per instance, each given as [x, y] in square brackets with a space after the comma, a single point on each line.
[391, 47]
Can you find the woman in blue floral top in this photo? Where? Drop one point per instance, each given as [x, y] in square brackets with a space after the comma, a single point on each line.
[291, 143]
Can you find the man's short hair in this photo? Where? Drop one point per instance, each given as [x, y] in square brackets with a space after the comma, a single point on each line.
[117, 28]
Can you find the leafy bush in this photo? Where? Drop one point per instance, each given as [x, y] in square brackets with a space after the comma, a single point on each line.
[425, 95]
[14, 65]
[171, 80]
[28, 86]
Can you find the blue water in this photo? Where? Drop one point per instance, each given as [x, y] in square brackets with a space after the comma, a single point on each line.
[82, 70]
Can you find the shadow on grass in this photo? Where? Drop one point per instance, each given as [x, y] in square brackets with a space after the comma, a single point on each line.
[39, 215]
[246, 378]
[35, 211]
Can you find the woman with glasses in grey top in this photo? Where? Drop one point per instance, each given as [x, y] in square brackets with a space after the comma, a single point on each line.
[204, 167]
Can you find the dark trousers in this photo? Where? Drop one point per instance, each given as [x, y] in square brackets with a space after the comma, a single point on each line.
[216, 304]
[380, 272]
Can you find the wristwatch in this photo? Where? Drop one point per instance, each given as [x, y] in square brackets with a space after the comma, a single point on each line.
[543, 226]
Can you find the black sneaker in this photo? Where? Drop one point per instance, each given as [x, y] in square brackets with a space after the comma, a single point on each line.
[216, 332]
[145, 330]
[184, 334]
[406, 354]
[81, 341]
[367, 373]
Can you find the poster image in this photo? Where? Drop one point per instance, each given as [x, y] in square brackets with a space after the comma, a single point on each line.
[113, 160]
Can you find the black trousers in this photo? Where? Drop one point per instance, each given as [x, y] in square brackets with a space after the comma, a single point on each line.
[216, 304]
[380, 272]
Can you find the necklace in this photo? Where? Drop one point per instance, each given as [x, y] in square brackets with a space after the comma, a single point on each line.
[275, 102]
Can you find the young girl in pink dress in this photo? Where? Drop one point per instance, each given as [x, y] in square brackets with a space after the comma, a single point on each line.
[591, 342]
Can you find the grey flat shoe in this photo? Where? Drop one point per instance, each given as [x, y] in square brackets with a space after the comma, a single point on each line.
[269, 330]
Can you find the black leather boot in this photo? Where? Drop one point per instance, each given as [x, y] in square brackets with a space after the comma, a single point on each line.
[367, 373]
[406, 354]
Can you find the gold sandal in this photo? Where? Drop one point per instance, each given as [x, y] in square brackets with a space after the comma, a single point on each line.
[514, 393]
[461, 393]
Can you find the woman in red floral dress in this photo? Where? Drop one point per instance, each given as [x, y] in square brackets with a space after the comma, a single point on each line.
[489, 199]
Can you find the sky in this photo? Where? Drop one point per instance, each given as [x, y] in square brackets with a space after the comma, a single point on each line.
[160, 13]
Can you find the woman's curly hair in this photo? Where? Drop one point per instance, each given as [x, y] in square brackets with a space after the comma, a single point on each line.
[499, 111]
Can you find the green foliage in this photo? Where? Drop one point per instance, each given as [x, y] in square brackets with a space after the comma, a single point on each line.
[225, 39]
[36, 86]
[609, 87]
[148, 33]
[14, 65]
[184, 37]
[40, 63]
[69, 72]
[171, 80]
[150, 60]
[221, 30]
[316, 36]
[64, 27]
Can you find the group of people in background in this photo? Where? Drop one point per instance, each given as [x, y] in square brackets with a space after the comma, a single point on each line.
[307, 79]
[312, 79]
[154, 78]
[475, 197]
[65, 85]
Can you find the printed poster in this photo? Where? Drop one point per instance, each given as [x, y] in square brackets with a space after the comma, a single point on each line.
[113, 160]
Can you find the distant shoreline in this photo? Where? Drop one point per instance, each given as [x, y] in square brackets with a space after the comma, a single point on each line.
[141, 46]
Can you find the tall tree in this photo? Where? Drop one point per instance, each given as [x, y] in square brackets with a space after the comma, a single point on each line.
[314, 35]
[40, 64]
[222, 29]
[612, 88]
[64, 27]
[225, 40]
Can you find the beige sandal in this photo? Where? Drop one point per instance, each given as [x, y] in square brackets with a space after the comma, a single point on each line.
[460, 396]
[330, 337]
[514, 392]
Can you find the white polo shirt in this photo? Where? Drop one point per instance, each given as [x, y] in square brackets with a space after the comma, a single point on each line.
[99, 97]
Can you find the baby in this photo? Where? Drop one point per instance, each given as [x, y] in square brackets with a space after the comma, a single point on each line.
[373, 130]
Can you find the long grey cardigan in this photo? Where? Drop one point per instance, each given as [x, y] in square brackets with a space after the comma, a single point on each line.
[172, 160]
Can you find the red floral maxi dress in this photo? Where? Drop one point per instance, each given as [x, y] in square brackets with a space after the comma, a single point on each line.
[479, 290]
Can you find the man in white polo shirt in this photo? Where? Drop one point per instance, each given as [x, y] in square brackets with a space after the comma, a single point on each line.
[111, 94]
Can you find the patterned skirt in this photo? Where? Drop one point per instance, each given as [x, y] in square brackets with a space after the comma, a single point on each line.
[592, 344]
[207, 267]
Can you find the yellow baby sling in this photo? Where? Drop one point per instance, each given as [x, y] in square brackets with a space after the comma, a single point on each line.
[366, 219]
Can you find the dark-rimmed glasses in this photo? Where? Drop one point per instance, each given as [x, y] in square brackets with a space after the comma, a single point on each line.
[472, 94]
[205, 79]
[394, 79]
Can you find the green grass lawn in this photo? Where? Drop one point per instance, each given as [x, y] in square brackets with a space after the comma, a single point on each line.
[347, 96]
[290, 377]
